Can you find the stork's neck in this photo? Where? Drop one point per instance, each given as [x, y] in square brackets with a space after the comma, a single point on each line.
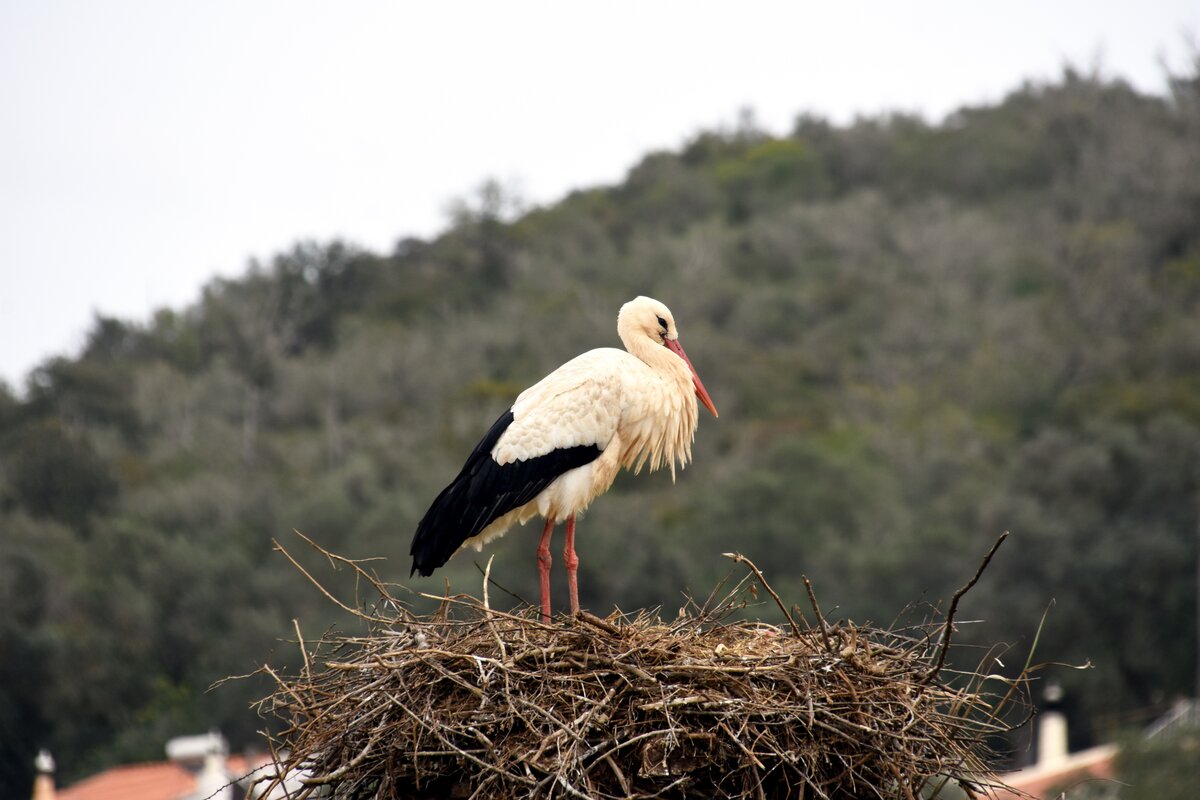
[663, 420]
[658, 358]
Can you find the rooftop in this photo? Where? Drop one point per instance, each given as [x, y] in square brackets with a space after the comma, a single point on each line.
[161, 780]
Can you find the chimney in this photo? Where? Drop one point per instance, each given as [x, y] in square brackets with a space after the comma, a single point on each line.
[205, 757]
[43, 784]
[214, 780]
[1052, 727]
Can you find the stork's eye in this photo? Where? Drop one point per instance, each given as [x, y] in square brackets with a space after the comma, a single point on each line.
[663, 323]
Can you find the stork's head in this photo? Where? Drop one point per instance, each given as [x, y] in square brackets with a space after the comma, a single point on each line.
[644, 318]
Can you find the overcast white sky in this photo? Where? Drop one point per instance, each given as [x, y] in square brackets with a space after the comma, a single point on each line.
[146, 147]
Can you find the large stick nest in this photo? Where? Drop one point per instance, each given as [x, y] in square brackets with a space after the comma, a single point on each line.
[473, 702]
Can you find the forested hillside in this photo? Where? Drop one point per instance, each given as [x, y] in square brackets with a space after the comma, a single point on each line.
[918, 335]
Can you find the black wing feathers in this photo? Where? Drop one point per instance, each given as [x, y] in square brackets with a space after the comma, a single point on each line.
[485, 491]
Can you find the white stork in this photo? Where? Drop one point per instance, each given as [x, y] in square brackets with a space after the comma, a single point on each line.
[563, 440]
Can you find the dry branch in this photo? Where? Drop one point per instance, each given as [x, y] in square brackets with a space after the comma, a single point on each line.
[949, 625]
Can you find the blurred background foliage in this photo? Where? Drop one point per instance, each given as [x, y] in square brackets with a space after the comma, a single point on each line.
[918, 335]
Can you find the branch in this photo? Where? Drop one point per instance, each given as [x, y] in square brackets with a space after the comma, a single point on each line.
[812, 598]
[949, 626]
[738, 558]
[360, 614]
[597, 622]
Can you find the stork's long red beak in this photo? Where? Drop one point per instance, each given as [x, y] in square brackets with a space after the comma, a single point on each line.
[675, 347]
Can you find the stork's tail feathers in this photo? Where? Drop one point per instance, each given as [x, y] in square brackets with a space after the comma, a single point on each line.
[436, 538]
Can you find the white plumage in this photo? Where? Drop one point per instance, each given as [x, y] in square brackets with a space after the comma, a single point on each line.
[564, 439]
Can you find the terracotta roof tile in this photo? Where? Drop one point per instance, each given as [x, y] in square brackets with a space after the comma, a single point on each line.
[157, 781]
[160, 780]
[1039, 780]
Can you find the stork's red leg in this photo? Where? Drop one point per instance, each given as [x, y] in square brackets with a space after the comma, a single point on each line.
[572, 565]
[543, 558]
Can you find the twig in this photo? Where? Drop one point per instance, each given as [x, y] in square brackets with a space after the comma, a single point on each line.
[738, 558]
[487, 573]
[303, 650]
[949, 626]
[488, 608]
[597, 622]
[812, 598]
[617, 771]
[345, 768]
[378, 585]
[356, 612]
[448, 600]
[502, 587]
